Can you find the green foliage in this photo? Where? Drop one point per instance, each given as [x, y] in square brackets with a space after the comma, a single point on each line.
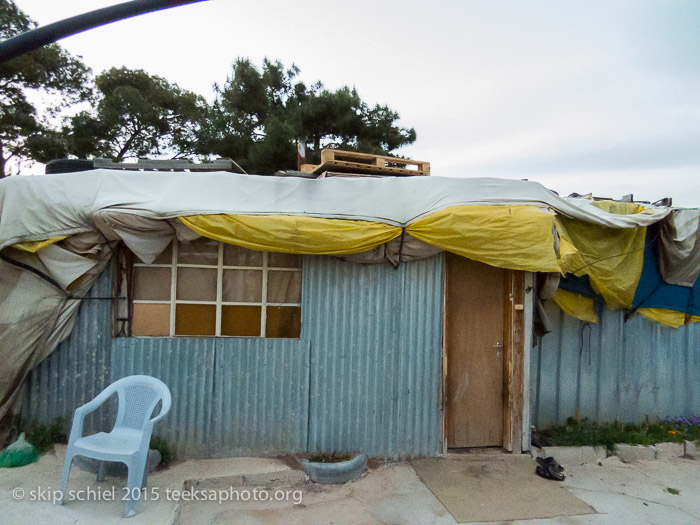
[256, 118]
[167, 456]
[258, 115]
[43, 436]
[137, 114]
[586, 433]
[50, 71]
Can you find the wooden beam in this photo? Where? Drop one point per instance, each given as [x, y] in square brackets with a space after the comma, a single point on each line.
[514, 331]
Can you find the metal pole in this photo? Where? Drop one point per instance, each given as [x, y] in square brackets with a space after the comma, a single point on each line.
[41, 36]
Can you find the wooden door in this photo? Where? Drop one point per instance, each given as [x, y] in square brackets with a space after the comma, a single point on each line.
[474, 348]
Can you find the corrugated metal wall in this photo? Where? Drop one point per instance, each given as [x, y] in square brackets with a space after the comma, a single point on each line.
[365, 374]
[261, 397]
[231, 397]
[187, 367]
[376, 339]
[614, 370]
[78, 369]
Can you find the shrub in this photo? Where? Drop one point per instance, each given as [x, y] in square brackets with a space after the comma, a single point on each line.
[167, 456]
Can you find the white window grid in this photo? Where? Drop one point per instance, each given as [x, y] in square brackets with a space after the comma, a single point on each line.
[220, 267]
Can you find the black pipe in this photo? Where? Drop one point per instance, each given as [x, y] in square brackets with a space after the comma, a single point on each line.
[41, 36]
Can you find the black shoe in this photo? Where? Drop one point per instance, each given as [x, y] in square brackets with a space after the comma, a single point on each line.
[548, 468]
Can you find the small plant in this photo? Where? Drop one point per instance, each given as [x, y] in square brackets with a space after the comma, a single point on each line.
[333, 457]
[44, 436]
[675, 492]
[167, 456]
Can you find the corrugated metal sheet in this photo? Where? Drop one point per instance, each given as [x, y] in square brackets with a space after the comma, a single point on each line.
[376, 337]
[614, 370]
[187, 367]
[78, 369]
[261, 389]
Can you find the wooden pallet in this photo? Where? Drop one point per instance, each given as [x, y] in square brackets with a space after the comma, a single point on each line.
[340, 161]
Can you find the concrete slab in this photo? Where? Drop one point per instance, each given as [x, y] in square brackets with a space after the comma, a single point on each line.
[629, 453]
[568, 456]
[634, 492]
[496, 488]
[385, 495]
[692, 449]
[669, 450]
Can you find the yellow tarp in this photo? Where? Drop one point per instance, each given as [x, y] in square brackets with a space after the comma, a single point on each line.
[34, 246]
[612, 257]
[515, 237]
[667, 317]
[293, 234]
[518, 237]
[576, 305]
[619, 208]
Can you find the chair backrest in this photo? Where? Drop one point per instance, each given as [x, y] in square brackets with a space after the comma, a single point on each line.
[138, 397]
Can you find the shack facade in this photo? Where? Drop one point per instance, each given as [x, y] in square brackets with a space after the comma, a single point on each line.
[408, 347]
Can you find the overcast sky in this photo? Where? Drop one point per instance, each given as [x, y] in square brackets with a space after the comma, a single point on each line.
[594, 96]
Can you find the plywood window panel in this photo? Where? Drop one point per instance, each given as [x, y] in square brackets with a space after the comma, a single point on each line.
[241, 320]
[200, 252]
[283, 287]
[151, 319]
[284, 260]
[237, 256]
[195, 319]
[152, 284]
[242, 286]
[196, 284]
[205, 288]
[283, 321]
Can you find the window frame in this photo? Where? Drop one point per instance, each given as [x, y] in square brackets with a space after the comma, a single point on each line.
[219, 303]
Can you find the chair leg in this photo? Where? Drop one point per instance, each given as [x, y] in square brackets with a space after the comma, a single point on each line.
[145, 475]
[100, 471]
[134, 482]
[66, 469]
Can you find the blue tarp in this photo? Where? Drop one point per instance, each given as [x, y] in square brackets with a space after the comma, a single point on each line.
[653, 292]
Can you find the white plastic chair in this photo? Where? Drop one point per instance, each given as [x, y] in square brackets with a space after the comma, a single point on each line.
[129, 439]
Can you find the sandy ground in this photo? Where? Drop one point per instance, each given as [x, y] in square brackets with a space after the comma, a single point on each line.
[620, 493]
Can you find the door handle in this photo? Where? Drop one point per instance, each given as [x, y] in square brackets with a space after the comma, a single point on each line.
[497, 345]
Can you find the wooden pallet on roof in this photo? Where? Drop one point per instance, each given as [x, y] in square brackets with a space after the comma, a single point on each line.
[340, 161]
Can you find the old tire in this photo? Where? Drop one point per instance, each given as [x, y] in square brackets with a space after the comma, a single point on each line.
[335, 473]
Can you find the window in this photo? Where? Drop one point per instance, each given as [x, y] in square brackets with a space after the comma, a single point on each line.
[208, 288]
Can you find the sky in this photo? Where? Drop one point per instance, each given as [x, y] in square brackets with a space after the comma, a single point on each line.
[590, 97]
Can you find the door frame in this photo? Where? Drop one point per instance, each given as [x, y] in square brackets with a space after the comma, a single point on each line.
[514, 312]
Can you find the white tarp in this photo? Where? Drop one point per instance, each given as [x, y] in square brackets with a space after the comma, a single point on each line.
[35, 208]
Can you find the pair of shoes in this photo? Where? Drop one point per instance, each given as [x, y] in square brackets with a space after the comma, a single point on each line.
[548, 468]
